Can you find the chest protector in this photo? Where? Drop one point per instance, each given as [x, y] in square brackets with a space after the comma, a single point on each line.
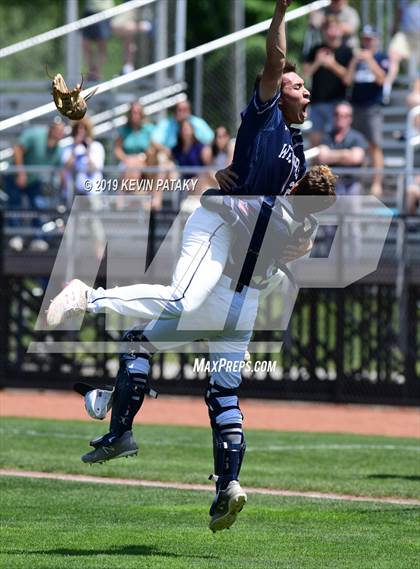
[249, 219]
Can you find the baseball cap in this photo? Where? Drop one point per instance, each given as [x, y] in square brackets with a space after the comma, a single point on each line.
[369, 32]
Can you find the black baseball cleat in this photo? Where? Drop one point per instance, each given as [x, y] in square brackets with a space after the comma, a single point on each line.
[110, 446]
[226, 506]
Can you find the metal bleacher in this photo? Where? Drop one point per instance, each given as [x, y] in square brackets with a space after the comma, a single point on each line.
[395, 116]
[108, 107]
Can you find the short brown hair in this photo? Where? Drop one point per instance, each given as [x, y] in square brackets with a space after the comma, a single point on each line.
[289, 67]
[318, 181]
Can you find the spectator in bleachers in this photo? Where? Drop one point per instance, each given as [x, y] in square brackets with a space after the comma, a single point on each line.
[83, 161]
[344, 147]
[135, 151]
[405, 44]
[413, 182]
[37, 146]
[190, 152]
[222, 148]
[327, 64]
[413, 195]
[95, 38]
[413, 99]
[167, 130]
[366, 73]
[133, 141]
[127, 26]
[221, 154]
[347, 17]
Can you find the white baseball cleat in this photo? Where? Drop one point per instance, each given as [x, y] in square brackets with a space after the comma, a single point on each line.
[227, 505]
[71, 301]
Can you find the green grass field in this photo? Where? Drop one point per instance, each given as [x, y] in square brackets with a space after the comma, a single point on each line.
[56, 524]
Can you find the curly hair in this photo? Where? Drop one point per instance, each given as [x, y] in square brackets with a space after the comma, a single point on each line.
[318, 181]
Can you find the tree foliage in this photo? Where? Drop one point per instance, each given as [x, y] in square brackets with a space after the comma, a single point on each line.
[22, 20]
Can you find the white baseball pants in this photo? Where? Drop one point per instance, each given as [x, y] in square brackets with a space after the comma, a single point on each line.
[205, 247]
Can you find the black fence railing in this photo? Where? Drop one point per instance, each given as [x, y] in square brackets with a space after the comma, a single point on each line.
[341, 345]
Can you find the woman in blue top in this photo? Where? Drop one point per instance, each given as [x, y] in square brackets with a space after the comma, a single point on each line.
[133, 140]
[188, 150]
[135, 150]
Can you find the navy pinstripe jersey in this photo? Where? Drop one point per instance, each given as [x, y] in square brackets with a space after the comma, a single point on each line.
[268, 155]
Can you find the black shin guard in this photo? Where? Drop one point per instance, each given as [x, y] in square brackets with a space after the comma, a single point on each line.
[128, 398]
[228, 457]
[228, 439]
[130, 386]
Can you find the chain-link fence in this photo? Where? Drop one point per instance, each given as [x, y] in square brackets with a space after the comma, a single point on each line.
[150, 29]
[221, 83]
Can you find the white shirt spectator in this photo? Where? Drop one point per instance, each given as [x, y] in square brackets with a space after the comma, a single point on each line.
[86, 172]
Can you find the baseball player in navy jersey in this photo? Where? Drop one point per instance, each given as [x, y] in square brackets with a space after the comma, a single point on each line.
[268, 161]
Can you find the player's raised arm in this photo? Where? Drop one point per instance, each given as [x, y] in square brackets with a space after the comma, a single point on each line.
[275, 53]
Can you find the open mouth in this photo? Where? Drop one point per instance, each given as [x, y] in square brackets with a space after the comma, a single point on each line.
[305, 110]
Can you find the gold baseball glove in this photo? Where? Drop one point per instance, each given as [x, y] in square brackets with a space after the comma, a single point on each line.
[69, 102]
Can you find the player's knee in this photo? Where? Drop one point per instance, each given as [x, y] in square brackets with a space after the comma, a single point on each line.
[133, 375]
[136, 346]
[133, 382]
[229, 374]
[223, 406]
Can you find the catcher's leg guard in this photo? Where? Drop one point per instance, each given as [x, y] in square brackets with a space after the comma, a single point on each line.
[228, 438]
[131, 386]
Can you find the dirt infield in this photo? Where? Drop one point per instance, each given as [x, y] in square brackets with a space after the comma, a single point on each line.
[273, 415]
